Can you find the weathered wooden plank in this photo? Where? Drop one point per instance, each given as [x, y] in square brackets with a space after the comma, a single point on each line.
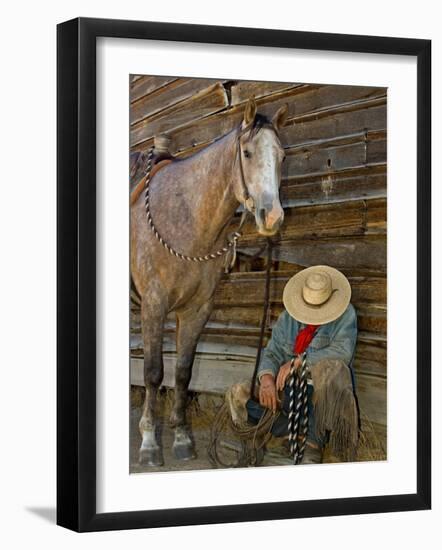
[192, 136]
[363, 136]
[147, 84]
[326, 220]
[242, 90]
[168, 95]
[377, 151]
[327, 155]
[338, 157]
[369, 115]
[316, 99]
[206, 102]
[331, 97]
[338, 108]
[210, 374]
[240, 332]
[248, 289]
[367, 252]
[247, 338]
[372, 396]
[371, 318]
[369, 367]
[241, 326]
[244, 316]
[207, 346]
[365, 182]
[376, 220]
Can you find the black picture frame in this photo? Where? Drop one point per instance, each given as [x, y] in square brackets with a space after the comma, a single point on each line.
[76, 274]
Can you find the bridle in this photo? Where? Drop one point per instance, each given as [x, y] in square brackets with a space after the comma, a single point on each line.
[248, 203]
[248, 207]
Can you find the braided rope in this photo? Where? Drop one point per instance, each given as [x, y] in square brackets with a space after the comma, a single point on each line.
[298, 409]
[251, 439]
[231, 245]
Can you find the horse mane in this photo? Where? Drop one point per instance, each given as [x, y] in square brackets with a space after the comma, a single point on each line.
[261, 121]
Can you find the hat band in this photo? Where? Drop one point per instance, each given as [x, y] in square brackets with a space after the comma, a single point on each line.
[318, 306]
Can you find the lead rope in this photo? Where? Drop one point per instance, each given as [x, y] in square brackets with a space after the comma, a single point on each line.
[252, 438]
[265, 311]
[298, 409]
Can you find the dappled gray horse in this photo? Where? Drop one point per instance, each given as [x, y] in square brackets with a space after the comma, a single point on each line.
[192, 203]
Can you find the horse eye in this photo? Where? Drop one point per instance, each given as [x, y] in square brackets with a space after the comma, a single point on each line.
[247, 154]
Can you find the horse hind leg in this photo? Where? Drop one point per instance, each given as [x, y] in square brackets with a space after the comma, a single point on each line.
[190, 324]
[152, 325]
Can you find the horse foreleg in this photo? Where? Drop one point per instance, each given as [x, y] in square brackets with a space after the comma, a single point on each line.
[152, 324]
[190, 324]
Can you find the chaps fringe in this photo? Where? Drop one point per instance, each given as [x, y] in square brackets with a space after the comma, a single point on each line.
[335, 407]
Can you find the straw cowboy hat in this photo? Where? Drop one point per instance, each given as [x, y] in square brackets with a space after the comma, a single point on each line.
[317, 295]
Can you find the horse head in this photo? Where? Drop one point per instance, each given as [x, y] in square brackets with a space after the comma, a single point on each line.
[260, 155]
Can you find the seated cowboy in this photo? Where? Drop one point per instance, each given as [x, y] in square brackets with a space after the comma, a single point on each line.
[320, 322]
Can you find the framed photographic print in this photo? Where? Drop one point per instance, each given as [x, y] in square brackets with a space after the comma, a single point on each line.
[243, 274]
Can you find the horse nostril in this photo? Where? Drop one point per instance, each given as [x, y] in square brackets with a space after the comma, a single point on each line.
[262, 214]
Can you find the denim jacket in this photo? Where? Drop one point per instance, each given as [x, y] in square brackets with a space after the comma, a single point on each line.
[335, 340]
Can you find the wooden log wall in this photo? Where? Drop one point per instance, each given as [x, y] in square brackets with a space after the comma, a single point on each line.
[333, 190]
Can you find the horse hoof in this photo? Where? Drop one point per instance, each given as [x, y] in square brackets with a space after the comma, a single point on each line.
[151, 456]
[184, 451]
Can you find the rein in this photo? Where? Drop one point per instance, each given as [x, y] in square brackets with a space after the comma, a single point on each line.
[264, 316]
[231, 243]
[252, 439]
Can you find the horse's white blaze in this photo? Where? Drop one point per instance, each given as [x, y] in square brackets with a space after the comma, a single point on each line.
[263, 176]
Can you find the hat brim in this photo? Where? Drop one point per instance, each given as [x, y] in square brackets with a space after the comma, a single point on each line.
[305, 313]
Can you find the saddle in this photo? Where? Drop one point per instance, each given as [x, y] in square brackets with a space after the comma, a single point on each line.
[138, 165]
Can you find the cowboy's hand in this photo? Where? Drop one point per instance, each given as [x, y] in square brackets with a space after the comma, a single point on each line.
[267, 392]
[284, 372]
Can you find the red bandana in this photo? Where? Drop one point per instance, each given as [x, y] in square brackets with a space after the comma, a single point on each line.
[303, 339]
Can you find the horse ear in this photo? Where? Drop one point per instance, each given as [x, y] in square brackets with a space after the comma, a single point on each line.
[250, 111]
[280, 117]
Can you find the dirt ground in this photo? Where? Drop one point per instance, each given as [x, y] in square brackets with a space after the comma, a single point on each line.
[201, 412]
